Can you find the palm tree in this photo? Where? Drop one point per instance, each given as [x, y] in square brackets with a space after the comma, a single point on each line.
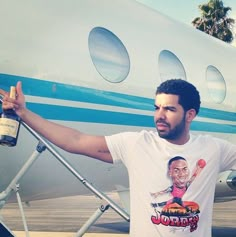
[214, 20]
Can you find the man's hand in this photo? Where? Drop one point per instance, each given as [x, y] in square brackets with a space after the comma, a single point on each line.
[17, 104]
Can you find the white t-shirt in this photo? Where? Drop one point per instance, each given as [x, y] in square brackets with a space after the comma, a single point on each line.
[174, 212]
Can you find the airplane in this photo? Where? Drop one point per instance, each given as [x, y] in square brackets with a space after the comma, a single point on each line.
[94, 66]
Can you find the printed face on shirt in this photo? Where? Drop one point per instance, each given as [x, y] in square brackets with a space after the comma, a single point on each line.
[169, 117]
[179, 172]
[176, 213]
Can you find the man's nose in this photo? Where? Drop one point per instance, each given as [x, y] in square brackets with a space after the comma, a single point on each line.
[160, 114]
[182, 173]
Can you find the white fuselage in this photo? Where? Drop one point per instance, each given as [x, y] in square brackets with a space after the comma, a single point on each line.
[94, 66]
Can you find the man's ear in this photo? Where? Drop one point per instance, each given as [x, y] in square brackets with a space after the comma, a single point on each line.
[190, 115]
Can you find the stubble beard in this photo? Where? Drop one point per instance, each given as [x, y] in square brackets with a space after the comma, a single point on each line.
[174, 133]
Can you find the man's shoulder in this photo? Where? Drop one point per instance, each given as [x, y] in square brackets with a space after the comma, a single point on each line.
[133, 134]
[208, 138]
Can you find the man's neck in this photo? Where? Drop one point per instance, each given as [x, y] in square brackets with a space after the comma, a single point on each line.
[180, 141]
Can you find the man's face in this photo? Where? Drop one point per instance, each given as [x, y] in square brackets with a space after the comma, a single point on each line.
[169, 117]
[179, 173]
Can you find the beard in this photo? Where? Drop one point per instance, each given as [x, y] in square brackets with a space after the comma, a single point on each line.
[173, 133]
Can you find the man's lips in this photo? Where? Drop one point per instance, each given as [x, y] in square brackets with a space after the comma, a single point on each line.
[161, 126]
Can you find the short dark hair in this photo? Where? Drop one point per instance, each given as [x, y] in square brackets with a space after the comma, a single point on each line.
[189, 97]
[174, 159]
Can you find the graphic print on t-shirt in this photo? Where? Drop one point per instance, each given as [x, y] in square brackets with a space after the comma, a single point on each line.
[175, 212]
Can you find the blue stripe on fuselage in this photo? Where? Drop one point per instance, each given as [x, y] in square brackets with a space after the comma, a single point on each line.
[66, 113]
[41, 88]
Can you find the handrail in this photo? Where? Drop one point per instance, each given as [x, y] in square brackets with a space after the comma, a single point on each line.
[65, 163]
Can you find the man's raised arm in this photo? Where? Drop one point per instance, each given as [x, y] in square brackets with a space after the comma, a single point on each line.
[64, 137]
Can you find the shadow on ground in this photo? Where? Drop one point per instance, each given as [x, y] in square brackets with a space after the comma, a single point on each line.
[117, 227]
[223, 231]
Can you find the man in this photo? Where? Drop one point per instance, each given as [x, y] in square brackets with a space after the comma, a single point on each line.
[146, 155]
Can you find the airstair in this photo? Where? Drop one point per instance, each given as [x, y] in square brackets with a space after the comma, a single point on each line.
[14, 186]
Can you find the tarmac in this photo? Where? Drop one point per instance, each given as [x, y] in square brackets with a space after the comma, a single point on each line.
[59, 234]
[63, 217]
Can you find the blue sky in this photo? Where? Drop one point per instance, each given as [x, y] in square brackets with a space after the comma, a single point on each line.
[186, 10]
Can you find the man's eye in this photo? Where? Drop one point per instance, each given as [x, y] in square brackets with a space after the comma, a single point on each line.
[171, 109]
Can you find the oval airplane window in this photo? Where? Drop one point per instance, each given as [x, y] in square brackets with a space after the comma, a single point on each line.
[108, 54]
[170, 66]
[215, 84]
